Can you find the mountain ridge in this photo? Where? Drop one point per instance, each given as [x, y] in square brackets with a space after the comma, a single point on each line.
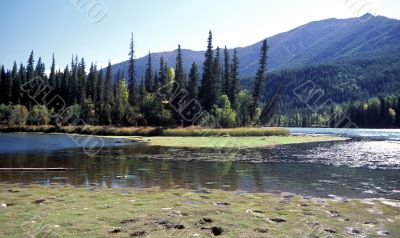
[316, 42]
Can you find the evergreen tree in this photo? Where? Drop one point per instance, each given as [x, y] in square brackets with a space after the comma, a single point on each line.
[16, 87]
[132, 74]
[52, 76]
[207, 94]
[40, 69]
[2, 93]
[217, 75]
[149, 83]
[179, 72]
[100, 93]
[30, 70]
[259, 84]
[235, 84]
[108, 87]
[82, 80]
[193, 82]
[226, 88]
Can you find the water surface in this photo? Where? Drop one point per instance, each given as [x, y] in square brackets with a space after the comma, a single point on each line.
[355, 168]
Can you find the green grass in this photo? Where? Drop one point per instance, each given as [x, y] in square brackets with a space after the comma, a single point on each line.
[80, 212]
[150, 131]
[234, 142]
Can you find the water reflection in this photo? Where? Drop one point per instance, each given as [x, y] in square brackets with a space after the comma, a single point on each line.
[288, 168]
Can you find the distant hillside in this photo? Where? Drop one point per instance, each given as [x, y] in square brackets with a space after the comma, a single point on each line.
[314, 43]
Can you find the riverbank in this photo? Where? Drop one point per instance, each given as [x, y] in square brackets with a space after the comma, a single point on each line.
[88, 212]
[186, 137]
[151, 131]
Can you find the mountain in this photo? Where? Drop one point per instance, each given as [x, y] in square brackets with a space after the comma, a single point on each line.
[317, 42]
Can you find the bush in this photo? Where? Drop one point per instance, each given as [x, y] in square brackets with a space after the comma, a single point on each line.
[5, 112]
[39, 115]
[223, 113]
[18, 116]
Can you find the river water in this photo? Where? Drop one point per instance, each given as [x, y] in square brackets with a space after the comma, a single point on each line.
[367, 165]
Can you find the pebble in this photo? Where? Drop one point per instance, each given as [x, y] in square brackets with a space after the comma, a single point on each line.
[3, 205]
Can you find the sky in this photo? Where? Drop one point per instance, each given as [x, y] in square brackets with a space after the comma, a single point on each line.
[100, 30]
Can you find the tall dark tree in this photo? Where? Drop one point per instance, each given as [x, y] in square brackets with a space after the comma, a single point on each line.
[82, 80]
[235, 83]
[193, 82]
[217, 75]
[30, 70]
[2, 93]
[108, 87]
[52, 76]
[227, 74]
[259, 84]
[132, 74]
[207, 94]
[40, 69]
[100, 92]
[179, 72]
[148, 80]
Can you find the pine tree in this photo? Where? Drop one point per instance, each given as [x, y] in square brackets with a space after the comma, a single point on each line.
[82, 80]
[132, 74]
[179, 72]
[40, 69]
[17, 96]
[52, 76]
[206, 93]
[259, 84]
[217, 76]
[100, 92]
[235, 84]
[8, 83]
[193, 82]
[149, 83]
[30, 71]
[2, 93]
[64, 85]
[226, 88]
[108, 87]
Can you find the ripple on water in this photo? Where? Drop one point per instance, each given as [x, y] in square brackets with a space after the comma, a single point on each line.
[370, 154]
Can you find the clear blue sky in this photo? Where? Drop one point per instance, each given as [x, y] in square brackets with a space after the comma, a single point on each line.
[63, 26]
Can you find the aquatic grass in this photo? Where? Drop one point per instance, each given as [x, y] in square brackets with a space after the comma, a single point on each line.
[65, 211]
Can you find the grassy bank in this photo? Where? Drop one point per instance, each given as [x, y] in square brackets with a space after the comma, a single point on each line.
[71, 212]
[235, 142]
[149, 131]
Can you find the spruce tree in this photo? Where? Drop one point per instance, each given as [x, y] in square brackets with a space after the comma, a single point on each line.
[30, 70]
[235, 84]
[2, 93]
[82, 80]
[206, 93]
[227, 74]
[259, 84]
[217, 77]
[179, 72]
[52, 76]
[193, 82]
[132, 74]
[108, 87]
[40, 69]
[149, 83]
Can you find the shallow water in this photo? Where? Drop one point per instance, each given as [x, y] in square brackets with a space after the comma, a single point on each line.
[354, 168]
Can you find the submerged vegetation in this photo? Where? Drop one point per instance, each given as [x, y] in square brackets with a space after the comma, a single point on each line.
[236, 142]
[57, 211]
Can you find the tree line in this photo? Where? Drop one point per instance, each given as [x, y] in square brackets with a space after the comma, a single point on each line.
[166, 97]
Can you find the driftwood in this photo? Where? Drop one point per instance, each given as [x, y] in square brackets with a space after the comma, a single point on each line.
[35, 169]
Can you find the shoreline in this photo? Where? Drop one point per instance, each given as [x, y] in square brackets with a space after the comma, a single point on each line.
[209, 141]
[82, 212]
